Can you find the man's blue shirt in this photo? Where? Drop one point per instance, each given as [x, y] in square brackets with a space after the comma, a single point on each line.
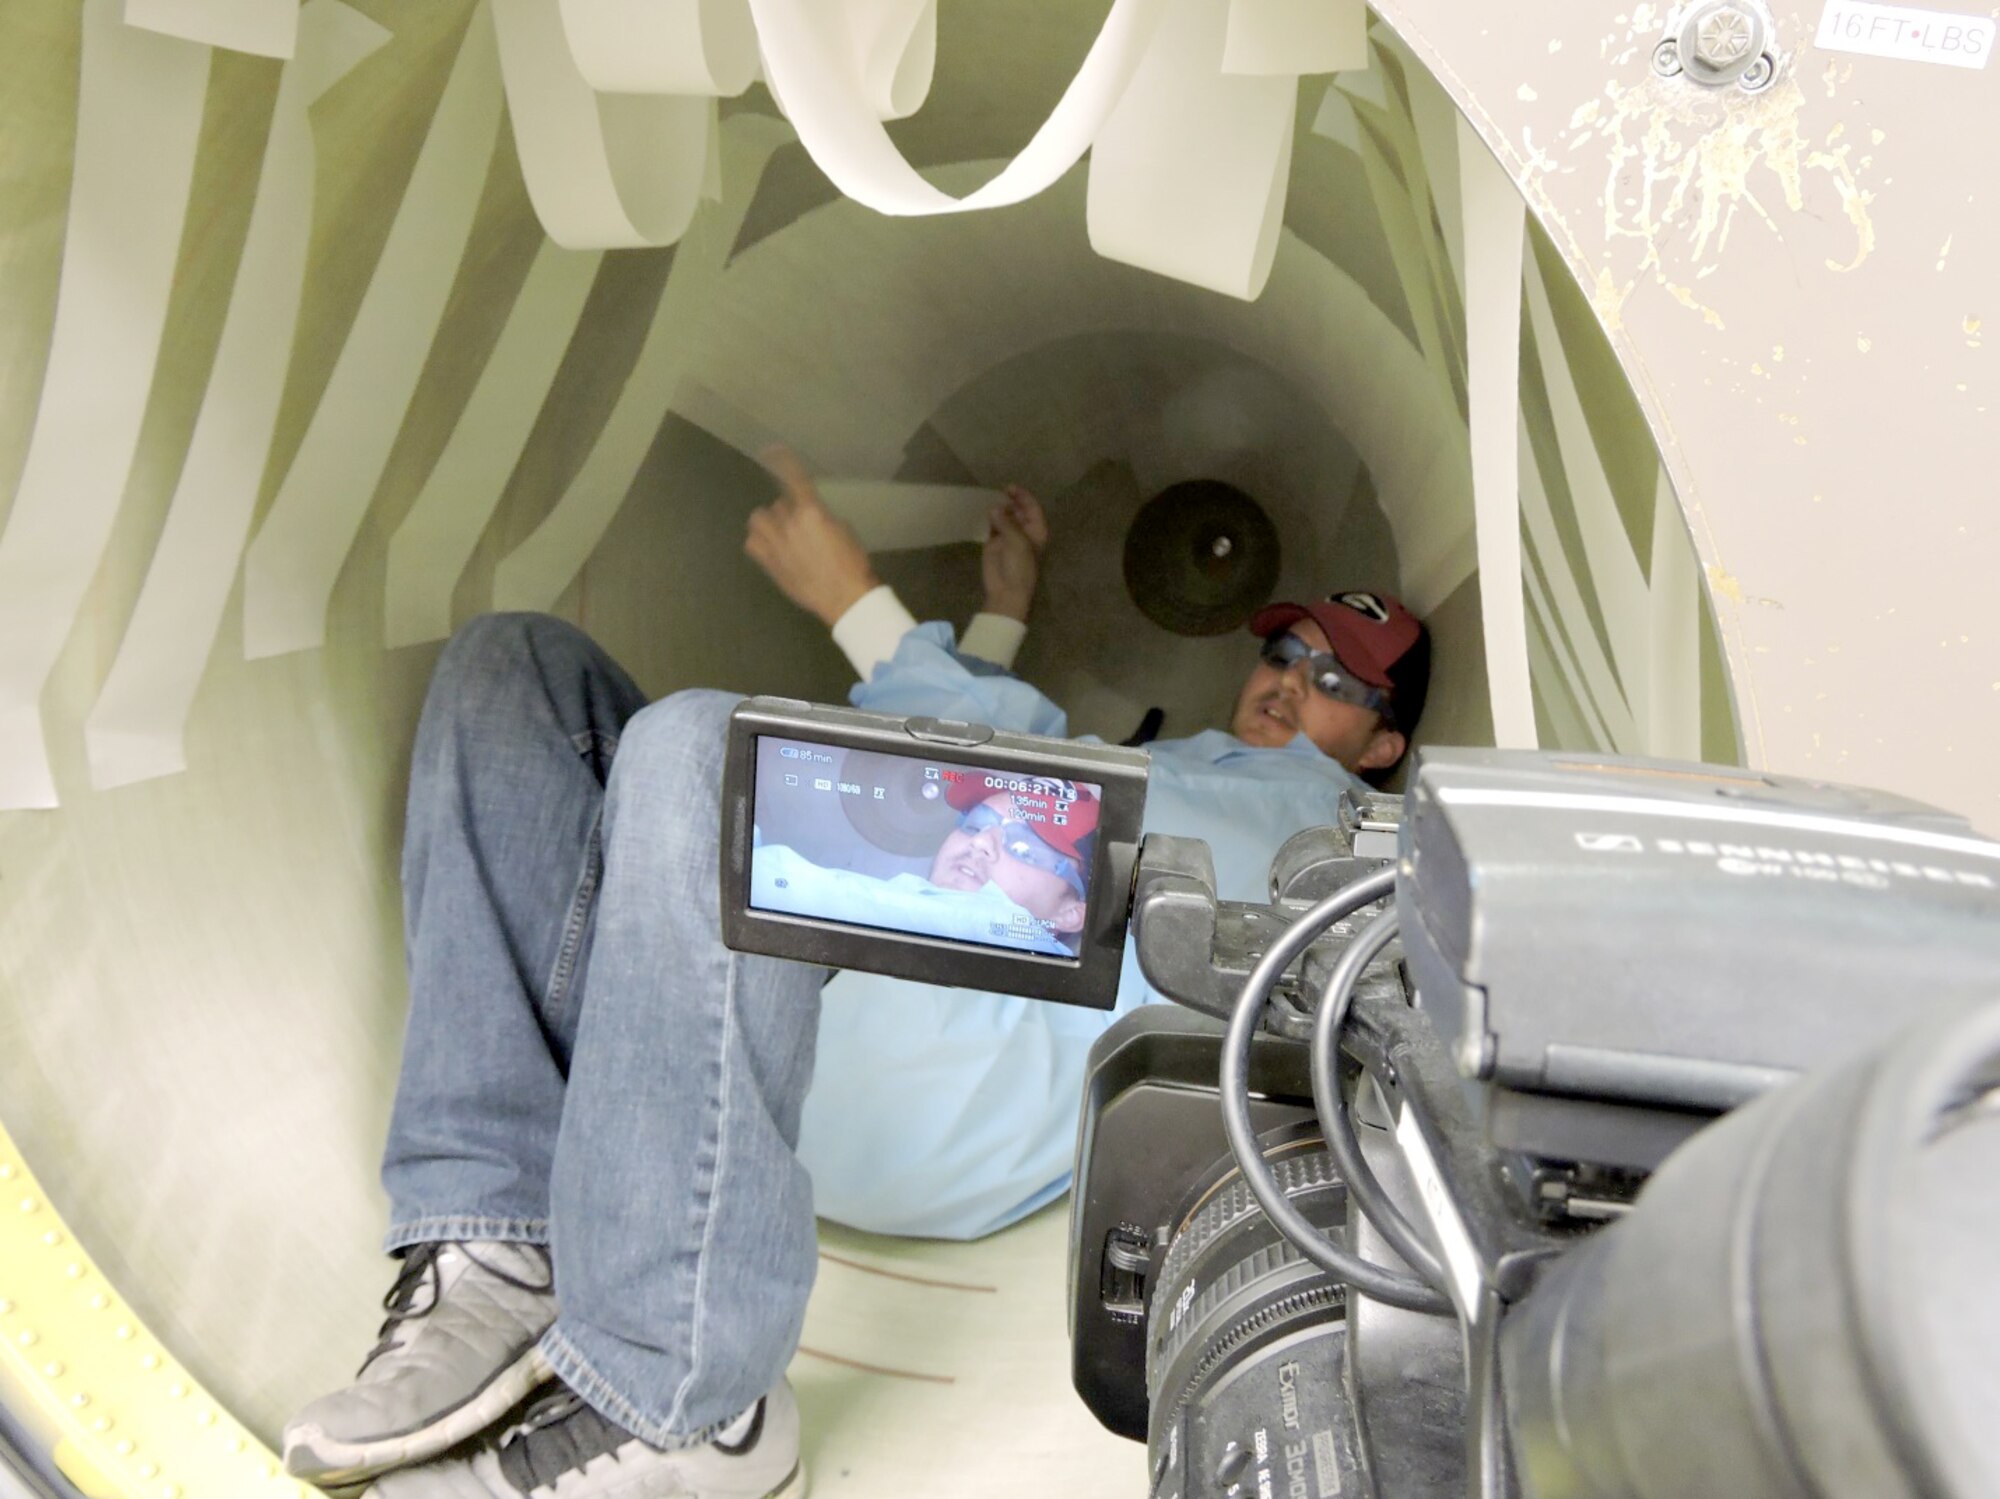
[949, 1112]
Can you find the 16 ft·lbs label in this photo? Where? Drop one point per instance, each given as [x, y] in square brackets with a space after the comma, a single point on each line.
[1937, 36]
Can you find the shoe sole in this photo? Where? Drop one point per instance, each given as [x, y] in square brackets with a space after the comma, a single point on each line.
[793, 1487]
[319, 1459]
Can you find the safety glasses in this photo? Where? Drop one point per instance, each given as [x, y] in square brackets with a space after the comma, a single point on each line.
[1323, 669]
[1019, 840]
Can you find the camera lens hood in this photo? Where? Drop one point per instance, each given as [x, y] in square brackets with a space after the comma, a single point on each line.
[1808, 1285]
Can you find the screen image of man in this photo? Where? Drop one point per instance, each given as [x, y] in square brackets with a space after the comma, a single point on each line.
[1012, 873]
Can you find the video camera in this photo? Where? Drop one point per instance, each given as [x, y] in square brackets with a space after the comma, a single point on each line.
[1571, 1126]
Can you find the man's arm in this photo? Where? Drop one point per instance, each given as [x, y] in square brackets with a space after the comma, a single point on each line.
[927, 676]
[809, 552]
[818, 562]
[1010, 566]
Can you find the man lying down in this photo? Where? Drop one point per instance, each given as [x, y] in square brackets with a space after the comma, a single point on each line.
[612, 1133]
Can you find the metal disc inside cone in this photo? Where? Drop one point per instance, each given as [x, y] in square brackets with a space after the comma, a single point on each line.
[1201, 558]
[910, 815]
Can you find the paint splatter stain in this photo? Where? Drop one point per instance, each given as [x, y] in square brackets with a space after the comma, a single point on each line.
[1688, 300]
[1607, 300]
[1685, 168]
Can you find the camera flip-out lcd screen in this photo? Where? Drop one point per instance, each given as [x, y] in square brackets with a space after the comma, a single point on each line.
[929, 849]
[963, 852]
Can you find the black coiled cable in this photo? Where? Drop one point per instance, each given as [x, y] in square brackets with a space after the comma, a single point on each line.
[1392, 1287]
[1375, 1203]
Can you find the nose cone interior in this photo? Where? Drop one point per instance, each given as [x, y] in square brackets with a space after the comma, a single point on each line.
[200, 937]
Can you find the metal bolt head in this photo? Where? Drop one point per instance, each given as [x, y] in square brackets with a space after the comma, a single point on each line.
[1667, 59]
[1759, 75]
[1717, 41]
[1724, 37]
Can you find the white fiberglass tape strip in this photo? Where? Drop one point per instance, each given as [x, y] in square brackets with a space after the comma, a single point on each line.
[1617, 582]
[138, 122]
[1404, 423]
[1396, 119]
[727, 422]
[1434, 118]
[269, 28]
[1673, 678]
[807, 52]
[605, 171]
[1496, 226]
[1364, 87]
[1336, 120]
[135, 730]
[535, 573]
[1436, 560]
[290, 569]
[436, 539]
[1542, 614]
[662, 46]
[894, 46]
[893, 517]
[1562, 602]
[1408, 235]
[1556, 685]
[711, 160]
[1290, 37]
[1188, 175]
[1750, 817]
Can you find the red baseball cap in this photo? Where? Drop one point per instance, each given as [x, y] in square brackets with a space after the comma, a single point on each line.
[1374, 636]
[1038, 802]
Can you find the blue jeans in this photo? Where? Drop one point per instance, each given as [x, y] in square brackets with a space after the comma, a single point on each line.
[586, 1065]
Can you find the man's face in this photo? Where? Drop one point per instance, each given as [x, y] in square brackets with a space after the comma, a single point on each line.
[969, 861]
[1275, 705]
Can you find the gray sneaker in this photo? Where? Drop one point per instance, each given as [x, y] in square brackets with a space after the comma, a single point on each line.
[457, 1353]
[563, 1449]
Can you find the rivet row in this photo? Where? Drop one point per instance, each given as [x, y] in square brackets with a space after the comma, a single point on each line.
[123, 1447]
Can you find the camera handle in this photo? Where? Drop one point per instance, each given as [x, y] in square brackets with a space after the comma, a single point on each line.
[1486, 1455]
[1384, 1284]
[1368, 1193]
[1488, 1463]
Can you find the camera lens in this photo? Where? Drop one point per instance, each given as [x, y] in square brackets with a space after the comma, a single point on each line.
[1245, 1336]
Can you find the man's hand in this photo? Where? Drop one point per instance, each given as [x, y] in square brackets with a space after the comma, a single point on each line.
[1016, 533]
[811, 554]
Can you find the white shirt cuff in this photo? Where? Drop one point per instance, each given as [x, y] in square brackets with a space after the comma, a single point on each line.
[872, 628]
[993, 637]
